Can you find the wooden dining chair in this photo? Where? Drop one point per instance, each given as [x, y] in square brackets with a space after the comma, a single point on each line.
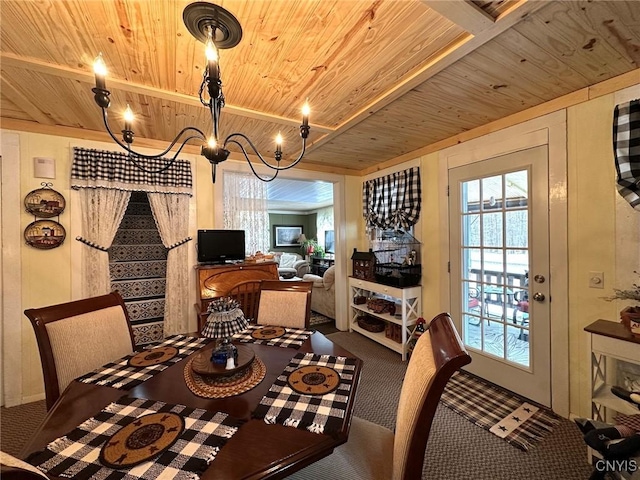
[77, 337]
[285, 304]
[374, 452]
[247, 294]
[12, 468]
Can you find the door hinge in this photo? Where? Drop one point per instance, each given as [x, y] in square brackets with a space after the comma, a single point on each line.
[448, 267]
[448, 187]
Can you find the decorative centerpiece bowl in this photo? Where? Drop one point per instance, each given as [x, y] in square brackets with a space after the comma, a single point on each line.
[225, 320]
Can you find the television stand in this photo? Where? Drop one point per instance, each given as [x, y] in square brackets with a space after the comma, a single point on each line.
[214, 281]
[319, 265]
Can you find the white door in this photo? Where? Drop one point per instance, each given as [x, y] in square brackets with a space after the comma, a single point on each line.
[499, 244]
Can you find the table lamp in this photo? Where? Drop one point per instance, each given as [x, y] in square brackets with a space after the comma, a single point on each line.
[225, 319]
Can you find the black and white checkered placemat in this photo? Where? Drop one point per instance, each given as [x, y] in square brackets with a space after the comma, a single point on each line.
[76, 455]
[316, 413]
[120, 375]
[294, 337]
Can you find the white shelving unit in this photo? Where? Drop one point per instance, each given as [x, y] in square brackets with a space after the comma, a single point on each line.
[610, 342]
[410, 311]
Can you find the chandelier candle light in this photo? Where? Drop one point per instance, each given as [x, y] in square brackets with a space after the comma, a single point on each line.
[218, 29]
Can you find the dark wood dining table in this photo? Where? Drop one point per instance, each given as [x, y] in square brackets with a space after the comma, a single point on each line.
[257, 450]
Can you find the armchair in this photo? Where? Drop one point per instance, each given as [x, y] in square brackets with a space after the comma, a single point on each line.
[323, 296]
[291, 265]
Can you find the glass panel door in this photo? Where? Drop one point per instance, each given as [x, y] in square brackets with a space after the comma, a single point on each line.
[495, 265]
[494, 206]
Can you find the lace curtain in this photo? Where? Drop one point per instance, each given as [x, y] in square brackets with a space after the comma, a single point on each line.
[171, 213]
[245, 208]
[105, 181]
[102, 211]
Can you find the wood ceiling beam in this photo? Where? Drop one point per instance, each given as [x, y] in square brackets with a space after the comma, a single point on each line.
[32, 64]
[101, 136]
[463, 13]
[24, 103]
[454, 52]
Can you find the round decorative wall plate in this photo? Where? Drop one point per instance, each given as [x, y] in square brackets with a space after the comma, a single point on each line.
[44, 234]
[44, 203]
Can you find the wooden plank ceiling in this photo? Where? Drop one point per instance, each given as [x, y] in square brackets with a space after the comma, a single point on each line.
[384, 77]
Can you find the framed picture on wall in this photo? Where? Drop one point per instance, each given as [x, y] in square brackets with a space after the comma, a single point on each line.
[287, 235]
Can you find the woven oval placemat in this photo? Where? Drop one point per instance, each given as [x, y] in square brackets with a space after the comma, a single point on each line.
[222, 387]
[141, 440]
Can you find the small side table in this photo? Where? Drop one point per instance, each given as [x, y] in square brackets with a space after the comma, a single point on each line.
[610, 342]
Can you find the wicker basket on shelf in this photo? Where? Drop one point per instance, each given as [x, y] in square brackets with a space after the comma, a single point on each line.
[371, 324]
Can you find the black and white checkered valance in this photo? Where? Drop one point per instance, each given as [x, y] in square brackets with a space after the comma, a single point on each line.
[626, 146]
[392, 201]
[103, 169]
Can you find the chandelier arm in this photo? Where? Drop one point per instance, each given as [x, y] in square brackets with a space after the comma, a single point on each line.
[246, 156]
[229, 139]
[169, 163]
[200, 135]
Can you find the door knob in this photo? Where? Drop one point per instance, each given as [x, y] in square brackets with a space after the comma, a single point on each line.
[538, 297]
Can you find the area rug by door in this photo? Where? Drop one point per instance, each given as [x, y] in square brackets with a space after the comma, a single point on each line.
[517, 420]
[319, 319]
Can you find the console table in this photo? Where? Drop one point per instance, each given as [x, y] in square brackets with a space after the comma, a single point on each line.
[216, 280]
[613, 342]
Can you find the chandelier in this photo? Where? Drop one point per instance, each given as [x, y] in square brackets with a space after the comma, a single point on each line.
[218, 29]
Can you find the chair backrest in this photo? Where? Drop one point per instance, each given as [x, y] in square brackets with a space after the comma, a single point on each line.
[77, 337]
[247, 294]
[14, 468]
[438, 353]
[285, 304]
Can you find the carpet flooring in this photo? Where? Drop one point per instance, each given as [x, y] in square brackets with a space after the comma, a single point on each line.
[319, 319]
[457, 449]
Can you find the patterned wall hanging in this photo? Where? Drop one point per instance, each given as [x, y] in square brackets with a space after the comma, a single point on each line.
[44, 203]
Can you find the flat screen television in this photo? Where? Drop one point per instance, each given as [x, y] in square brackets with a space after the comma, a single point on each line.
[329, 242]
[220, 246]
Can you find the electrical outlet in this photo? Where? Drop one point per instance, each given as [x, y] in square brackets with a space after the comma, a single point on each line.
[596, 279]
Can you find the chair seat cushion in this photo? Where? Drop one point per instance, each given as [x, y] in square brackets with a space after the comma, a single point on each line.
[366, 456]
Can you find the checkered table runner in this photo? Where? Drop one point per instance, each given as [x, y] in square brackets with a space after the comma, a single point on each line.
[76, 455]
[316, 413]
[120, 375]
[294, 337]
